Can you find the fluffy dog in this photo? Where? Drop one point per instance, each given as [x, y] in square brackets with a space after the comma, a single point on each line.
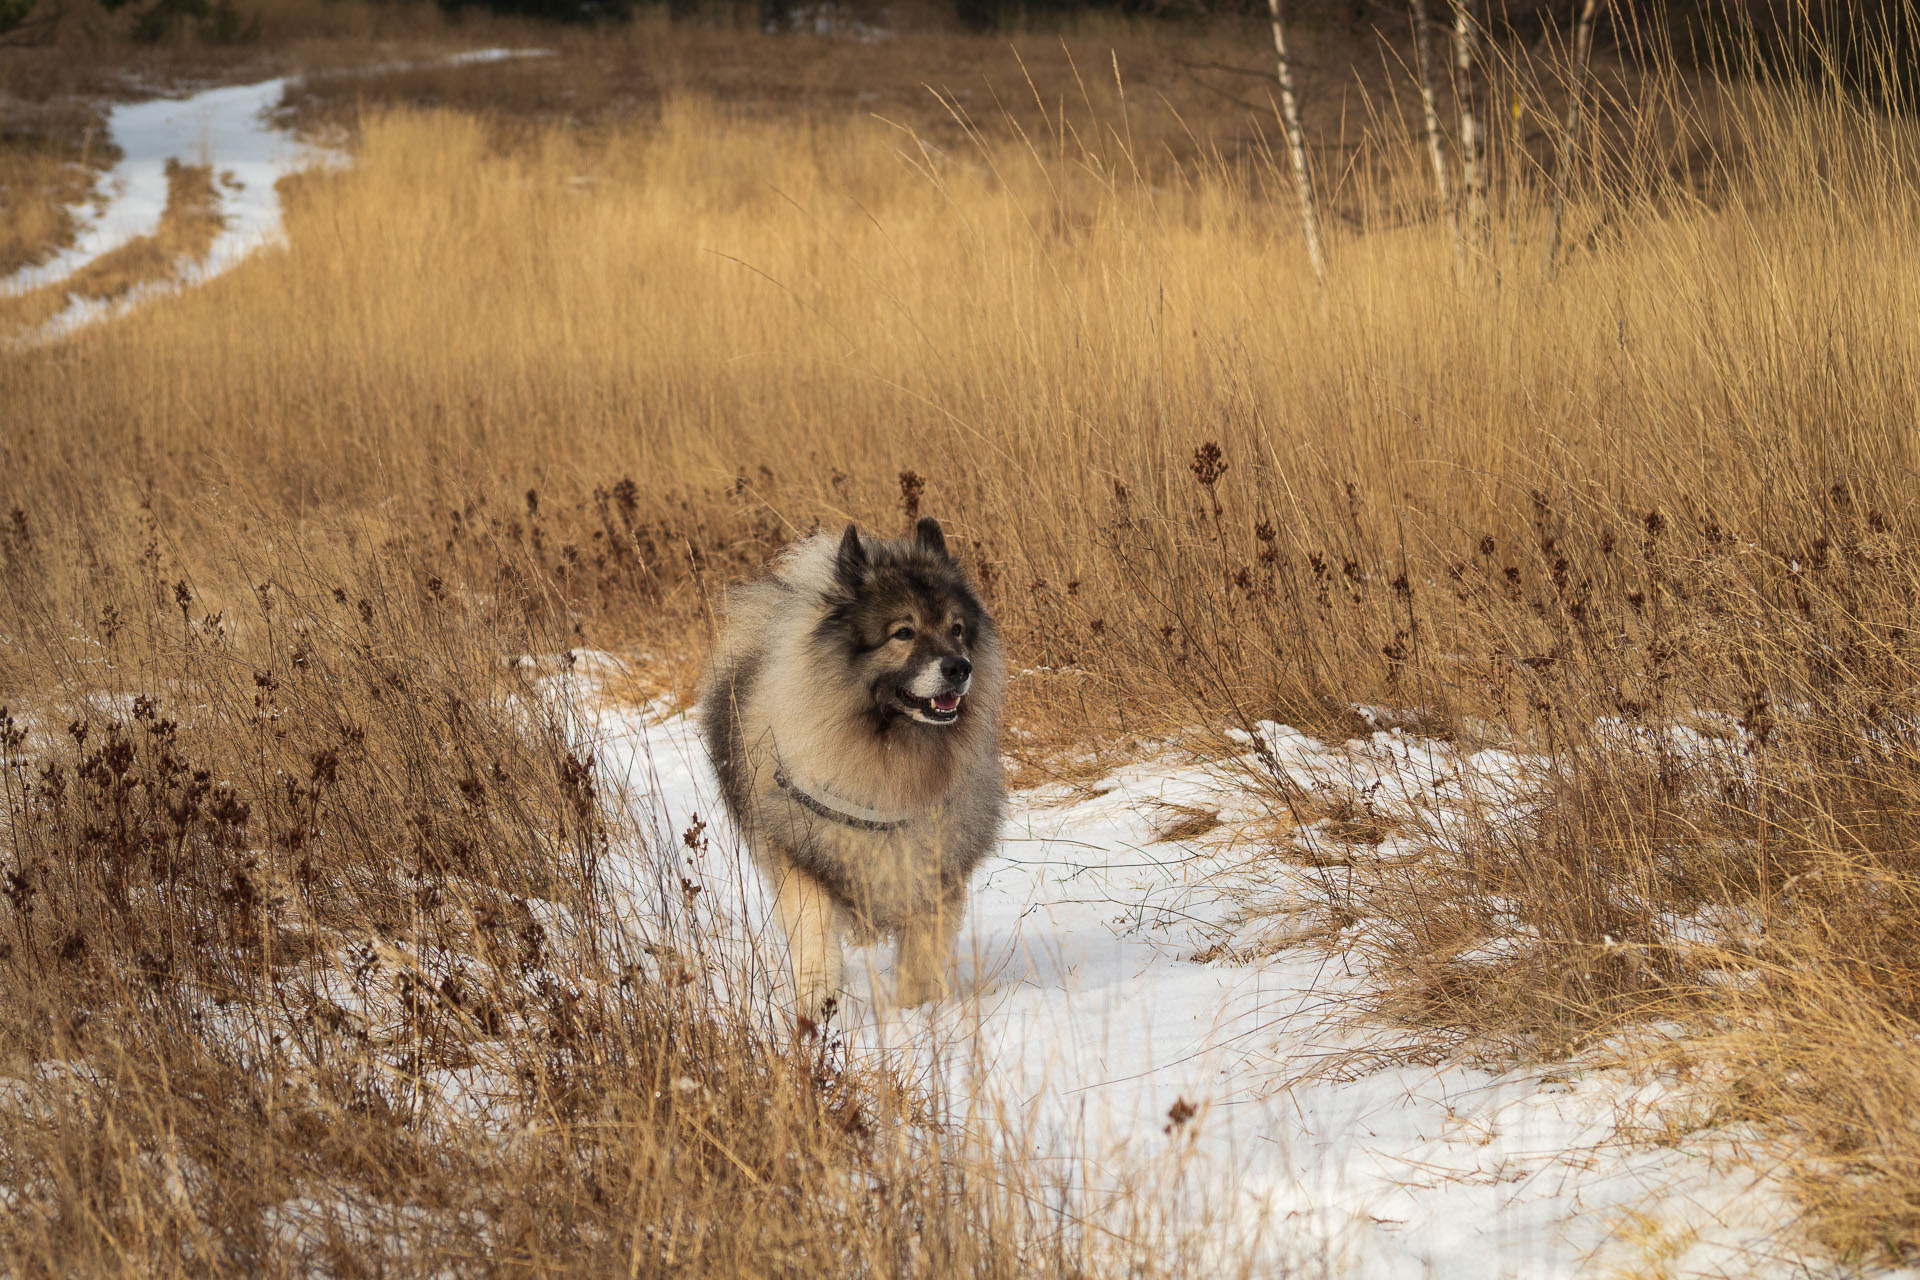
[852, 709]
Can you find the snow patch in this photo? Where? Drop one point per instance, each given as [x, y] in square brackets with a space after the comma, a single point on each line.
[229, 129]
[225, 128]
[1239, 1099]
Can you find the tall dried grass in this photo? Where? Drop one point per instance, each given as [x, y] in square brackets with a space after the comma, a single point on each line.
[309, 968]
[46, 167]
[567, 384]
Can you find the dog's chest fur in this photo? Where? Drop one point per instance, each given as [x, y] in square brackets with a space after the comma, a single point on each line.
[793, 693]
[880, 878]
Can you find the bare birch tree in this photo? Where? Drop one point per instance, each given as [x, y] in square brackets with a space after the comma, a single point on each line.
[1473, 162]
[1436, 136]
[1297, 143]
[1570, 135]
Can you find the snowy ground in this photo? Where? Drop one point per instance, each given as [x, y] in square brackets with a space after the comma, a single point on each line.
[1083, 1020]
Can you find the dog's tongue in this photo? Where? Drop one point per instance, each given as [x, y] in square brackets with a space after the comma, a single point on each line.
[946, 702]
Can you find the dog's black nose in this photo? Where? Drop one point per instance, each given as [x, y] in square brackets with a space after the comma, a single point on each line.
[955, 669]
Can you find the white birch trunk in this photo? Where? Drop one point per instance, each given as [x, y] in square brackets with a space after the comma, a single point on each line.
[1436, 138]
[1473, 170]
[1297, 144]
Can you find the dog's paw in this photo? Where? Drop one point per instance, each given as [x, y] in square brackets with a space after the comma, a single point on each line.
[915, 989]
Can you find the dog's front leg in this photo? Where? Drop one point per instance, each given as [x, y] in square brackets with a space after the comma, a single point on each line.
[925, 956]
[811, 923]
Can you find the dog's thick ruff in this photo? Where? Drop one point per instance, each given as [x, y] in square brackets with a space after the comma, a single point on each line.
[852, 710]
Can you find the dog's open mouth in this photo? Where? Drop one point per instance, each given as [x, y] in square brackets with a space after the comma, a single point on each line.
[942, 708]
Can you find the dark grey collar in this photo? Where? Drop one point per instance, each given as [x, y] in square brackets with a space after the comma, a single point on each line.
[832, 814]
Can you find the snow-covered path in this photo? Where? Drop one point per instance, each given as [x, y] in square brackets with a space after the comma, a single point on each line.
[1083, 1020]
[226, 128]
[229, 128]
[222, 127]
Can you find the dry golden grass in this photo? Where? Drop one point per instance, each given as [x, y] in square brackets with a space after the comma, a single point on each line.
[48, 160]
[308, 971]
[558, 385]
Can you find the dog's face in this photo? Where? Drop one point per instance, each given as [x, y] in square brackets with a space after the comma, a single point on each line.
[907, 625]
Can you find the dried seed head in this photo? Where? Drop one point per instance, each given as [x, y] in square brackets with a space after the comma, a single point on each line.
[912, 485]
[626, 496]
[1208, 465]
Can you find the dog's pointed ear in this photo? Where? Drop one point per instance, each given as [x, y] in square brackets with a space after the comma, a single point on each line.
[927, 534]
[850, 562]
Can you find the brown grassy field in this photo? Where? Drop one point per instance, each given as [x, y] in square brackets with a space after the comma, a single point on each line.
[528, 378]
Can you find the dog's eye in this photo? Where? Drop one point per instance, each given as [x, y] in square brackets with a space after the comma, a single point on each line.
[903, 633]
[959, 629]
